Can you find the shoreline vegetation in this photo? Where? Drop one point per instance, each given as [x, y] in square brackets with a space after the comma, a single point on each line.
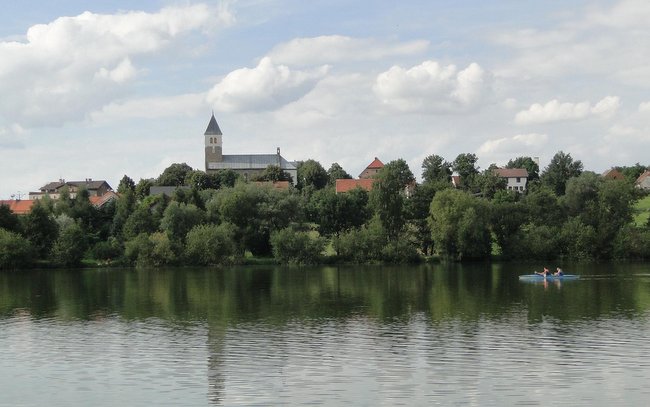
[565, 213]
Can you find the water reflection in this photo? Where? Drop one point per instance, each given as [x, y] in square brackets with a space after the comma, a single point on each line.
[456, 334]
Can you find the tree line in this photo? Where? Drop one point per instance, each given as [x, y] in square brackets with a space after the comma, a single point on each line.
[221, 219]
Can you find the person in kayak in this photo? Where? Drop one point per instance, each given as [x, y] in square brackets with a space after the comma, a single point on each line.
[559, 272]
[544, 273]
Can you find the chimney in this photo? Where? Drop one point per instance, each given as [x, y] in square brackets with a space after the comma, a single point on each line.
[279, 159]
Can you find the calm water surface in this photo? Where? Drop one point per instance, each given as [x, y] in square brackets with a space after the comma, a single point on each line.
[426, 335]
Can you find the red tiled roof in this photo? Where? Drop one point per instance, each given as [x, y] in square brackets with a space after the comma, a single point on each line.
[345, 185]
[21, 207]
[511, 172]
[376, 163]
[613, 173]
[99, 201]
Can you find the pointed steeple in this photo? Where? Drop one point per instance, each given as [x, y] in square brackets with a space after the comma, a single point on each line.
[213, 128]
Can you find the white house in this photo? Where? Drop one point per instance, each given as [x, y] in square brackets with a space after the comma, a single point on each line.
[643, 182]
[516, 178]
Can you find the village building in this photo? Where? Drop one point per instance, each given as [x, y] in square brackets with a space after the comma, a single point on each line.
[516, 178]
[247, 165]
[54, 189]
[613, 173]
[643, 182]
[365, 181]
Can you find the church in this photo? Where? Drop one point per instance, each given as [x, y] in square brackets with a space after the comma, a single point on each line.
[247, 165]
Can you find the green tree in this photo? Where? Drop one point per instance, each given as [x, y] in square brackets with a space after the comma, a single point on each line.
[336, 172]
[125, 183]
[459, 227]
[212, 245]
[201, 180]
[174, 175]
[274, 173]
[311, 173]
[388, 196]
[529, 164]
[141, 220]
[436, 169]
[123, 209]
[40, 229]
[633, 172]
[227, 178]
[296, 247]
[488, 183]
[418, 212]
[9, 220]
[178, 219]
[507, 219]
[465, 166]
[70, 246]
[15, 251]
[543, 207]
[561, 168]
[336, 213]
[142, 188]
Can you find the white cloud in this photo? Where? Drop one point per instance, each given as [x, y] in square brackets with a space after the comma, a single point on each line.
[555, 111]
[518, 145]
[265, 87]
[337, 48]
[431, 87]
[644, 107]
[607, 41]
[12, 136]
[73, 65]
[188, 105]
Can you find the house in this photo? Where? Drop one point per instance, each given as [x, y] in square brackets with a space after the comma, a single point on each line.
[54, 189]
[99, 201]
[643, 182]
[247, 165]
[372, 169]
[365, 181]
[516, 178]
[613, 173]
[346, 185]
[19, 206]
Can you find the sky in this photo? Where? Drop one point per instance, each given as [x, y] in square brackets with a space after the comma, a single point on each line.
[107, 88]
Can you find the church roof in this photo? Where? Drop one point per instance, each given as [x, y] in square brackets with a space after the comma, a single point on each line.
[213, 128]
[375, 164]
[250, 161]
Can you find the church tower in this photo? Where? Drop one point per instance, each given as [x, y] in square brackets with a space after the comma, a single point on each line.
[213, 146]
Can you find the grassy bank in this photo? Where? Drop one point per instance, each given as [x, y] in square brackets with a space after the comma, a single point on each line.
[642, 211]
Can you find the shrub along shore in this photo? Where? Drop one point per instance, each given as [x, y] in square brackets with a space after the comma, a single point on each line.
[565, 213]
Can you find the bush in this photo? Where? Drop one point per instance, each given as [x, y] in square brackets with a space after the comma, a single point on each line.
[15, 250]
[296, 247]
[400, 251]
[106, 250]
[69, 248]
[363, 244]
[151, 251]
[632, 243]
[212, 244]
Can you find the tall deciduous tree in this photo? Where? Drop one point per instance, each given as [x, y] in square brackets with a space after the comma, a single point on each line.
[40, 229]
[336, 172]
[312, 174]
[561, 168]
[9, 220]
[125, 183]
[174, 175]
[274, 173]
[459, 225]
[388, 196]
[435, 168]
[465, 166]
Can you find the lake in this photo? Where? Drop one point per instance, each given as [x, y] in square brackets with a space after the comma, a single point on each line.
[370, 336]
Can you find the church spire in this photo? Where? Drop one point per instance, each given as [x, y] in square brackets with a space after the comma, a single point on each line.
[213, 128]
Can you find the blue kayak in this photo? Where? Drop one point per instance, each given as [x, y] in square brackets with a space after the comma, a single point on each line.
[539, 277]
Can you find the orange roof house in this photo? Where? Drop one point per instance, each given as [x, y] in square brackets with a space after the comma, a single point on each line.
[346, 185]
[372, 169]
[19, 207]
[613, 173]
